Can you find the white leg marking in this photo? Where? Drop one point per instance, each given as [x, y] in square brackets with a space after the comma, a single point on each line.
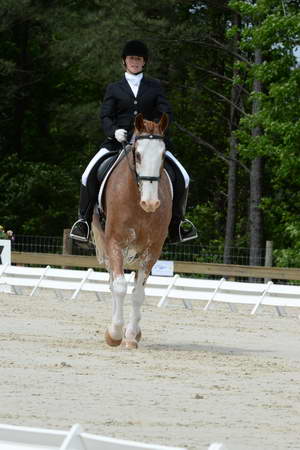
[119, 290]
[137, 299]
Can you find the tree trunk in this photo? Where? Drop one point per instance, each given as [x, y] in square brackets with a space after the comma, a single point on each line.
[231, 202]
[232, 170]
[256, 177]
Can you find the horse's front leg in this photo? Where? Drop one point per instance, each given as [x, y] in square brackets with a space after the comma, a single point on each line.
[133, 331]
[118, 287]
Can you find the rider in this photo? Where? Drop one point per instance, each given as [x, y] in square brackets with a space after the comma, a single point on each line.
[123, 100]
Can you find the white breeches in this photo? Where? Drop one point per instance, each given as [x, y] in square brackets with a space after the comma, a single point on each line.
[91, 164]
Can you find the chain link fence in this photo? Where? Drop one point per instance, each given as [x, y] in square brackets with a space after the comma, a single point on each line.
[178, 252]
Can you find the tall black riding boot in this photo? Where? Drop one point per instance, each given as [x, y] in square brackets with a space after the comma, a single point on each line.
[80, 231]
[180, 229]
[89, 196]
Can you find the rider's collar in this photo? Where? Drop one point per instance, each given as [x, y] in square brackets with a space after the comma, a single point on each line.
[134, 78]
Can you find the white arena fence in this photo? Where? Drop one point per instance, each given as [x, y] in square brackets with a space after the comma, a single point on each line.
[26, 438]
[29, 438]
[171, 290]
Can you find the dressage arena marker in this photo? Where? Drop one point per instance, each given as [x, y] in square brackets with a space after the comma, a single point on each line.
[26, 438]
[188, 290]
[5, 251]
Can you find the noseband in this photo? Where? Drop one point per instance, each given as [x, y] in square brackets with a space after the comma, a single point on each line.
[138, 138]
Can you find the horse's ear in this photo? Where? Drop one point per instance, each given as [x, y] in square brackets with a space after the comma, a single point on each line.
[164, 122]
[139, 122]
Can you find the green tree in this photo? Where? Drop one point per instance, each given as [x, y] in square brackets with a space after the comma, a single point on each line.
[268, 134]
[72, 51]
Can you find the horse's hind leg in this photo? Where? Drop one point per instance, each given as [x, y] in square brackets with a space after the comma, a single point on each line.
[114, 334]
[133, 331]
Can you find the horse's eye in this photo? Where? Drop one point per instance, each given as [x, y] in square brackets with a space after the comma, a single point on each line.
[138, 157]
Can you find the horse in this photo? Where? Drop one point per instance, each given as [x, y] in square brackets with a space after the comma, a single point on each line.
[138, 209]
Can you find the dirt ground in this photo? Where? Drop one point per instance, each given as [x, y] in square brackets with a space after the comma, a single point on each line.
[197, 377]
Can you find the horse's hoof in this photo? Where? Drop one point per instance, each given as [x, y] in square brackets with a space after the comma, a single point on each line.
[130, 345]
[138, 336]
[110, 341]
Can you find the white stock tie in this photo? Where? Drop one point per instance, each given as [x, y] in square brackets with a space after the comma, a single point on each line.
[134, 81]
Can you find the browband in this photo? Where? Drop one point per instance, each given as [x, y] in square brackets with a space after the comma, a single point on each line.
[149, 136]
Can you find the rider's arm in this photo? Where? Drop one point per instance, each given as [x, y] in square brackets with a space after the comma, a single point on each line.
[108, 111]
[162, 104]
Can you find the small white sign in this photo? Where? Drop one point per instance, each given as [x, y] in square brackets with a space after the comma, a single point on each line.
[163, 268]
[5, 251]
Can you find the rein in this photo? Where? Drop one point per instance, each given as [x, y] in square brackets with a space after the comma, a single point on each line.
[133, 169]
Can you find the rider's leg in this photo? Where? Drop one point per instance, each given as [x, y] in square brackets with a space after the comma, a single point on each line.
[180, 229]
[88, 197]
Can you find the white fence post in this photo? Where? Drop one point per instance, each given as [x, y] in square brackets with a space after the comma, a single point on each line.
[39, 281]
[72, 436]
[84, 279]
[163, 301]
[214, 294]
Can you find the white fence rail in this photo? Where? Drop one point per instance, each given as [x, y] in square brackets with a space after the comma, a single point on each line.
[37, 278]
[26, 438]
[212, 292]
[169, 290]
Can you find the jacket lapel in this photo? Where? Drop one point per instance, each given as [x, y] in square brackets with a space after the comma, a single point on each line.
[125, 86]
[142, 87]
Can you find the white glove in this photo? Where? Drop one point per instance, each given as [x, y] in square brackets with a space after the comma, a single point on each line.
[121, 135]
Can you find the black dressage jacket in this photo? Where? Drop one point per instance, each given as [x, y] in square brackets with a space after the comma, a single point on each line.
[120, 107]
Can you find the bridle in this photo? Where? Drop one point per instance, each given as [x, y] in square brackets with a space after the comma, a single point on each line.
[133, 149]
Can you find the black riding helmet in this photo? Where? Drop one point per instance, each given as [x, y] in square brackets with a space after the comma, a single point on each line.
[135, 48]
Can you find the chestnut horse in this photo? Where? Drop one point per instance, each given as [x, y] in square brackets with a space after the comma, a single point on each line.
[138, 208]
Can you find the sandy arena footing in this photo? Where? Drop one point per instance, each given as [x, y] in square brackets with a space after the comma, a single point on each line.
[196, 378]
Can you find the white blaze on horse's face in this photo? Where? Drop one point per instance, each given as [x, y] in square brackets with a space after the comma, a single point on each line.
[149, 160]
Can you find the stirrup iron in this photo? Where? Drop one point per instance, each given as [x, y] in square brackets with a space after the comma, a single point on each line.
[78, 237]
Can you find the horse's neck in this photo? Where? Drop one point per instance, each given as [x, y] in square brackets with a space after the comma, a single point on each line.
[128, 171]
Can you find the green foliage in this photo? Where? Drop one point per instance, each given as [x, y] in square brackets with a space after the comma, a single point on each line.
[290, 255]
[275, 31]
[36, 198]
[56, 60]
[207, 221]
